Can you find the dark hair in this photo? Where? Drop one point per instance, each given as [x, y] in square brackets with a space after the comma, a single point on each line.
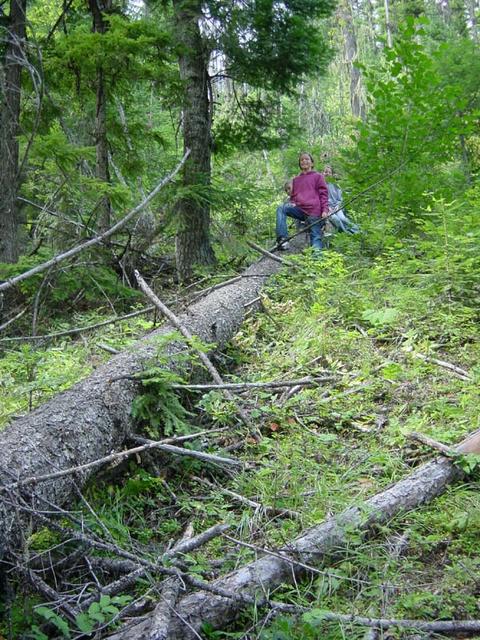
[305, 153]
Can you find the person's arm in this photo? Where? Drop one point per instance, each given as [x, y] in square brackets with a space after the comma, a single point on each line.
[322, 194]
[293, 193]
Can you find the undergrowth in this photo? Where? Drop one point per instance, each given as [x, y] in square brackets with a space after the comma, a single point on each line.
[33, 372]
[383, 328]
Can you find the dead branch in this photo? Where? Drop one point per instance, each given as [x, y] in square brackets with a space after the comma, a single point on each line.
[53, 596]
[89, 327]
[450, 627]
[240, 386]
[16, 317]
[186, 334]
[170, 591]
[187, 544]
[113, 565]
[248, 501]
[200, 455]
[433, 444]
[461, 373]
[316, 546]
[145, 446]
[271, 255]
[256, 300]
[10, 282]
[107, 348]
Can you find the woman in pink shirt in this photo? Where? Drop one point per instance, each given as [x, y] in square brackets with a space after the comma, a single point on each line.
[308, 203]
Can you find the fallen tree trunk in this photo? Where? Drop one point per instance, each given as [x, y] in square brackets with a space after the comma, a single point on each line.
[313, 548]
[92, 419]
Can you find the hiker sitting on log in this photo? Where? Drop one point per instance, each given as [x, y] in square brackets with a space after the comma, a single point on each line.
[335, 203]
[308, 203]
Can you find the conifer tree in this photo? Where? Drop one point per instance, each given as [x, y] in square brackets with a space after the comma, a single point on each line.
[12, 52]
[266, 43]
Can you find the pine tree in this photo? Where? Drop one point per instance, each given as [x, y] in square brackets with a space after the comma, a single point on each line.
[10, 92]
[265, 43]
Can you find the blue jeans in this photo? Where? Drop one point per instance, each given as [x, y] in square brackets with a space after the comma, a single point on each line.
[290, 210]
[342, 223]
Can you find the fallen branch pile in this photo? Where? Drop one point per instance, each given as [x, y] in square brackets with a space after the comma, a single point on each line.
[250, 583]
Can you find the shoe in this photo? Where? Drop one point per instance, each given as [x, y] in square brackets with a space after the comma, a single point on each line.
[283, 244]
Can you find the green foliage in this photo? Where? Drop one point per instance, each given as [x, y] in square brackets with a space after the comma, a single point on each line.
[30, 375]
[160, 407]
[42, 539]
[220, 410]
[128, 49]
[129, 510]
[419, 108]
[469, 463]
[272, 44]
[54, 146]
[53, 618]
[88, 281]
[254, 122]
[98, 613]
[101, 612]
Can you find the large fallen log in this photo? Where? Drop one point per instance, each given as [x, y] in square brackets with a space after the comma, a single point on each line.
[312, 549]
[93, 418]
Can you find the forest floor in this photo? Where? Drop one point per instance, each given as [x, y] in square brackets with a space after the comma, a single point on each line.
[397, 336]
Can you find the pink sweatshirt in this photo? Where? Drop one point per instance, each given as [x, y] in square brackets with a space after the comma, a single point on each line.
[310, 193]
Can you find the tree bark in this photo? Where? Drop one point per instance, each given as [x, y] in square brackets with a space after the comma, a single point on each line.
[10, 88]
[350, 52]
[472, 23]
[92, 419]
[193, 244]
[313, 548]
[102, 170]
[388, 24]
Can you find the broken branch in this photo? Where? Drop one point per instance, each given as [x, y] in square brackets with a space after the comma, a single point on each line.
[10, 282]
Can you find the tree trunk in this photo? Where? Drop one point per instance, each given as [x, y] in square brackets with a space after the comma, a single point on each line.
[472, 23]
[314, 548]
[92, 419]
[10, 79]
[193, 235]
[388, 24]
[350, 52]
[102, 171]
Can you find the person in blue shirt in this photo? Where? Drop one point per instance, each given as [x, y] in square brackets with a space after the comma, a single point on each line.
[335, 202]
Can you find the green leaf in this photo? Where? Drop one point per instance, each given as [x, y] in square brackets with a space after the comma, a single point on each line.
[37, 634]
[94, 608]
[381, 317]
[392, 371]
[315, 616]
[84, 622]
[55, 619]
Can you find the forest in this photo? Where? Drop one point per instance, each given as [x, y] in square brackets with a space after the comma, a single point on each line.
[206, 434]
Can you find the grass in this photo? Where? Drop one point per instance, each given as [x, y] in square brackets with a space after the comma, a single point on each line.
[31, 373]
[323, 449]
